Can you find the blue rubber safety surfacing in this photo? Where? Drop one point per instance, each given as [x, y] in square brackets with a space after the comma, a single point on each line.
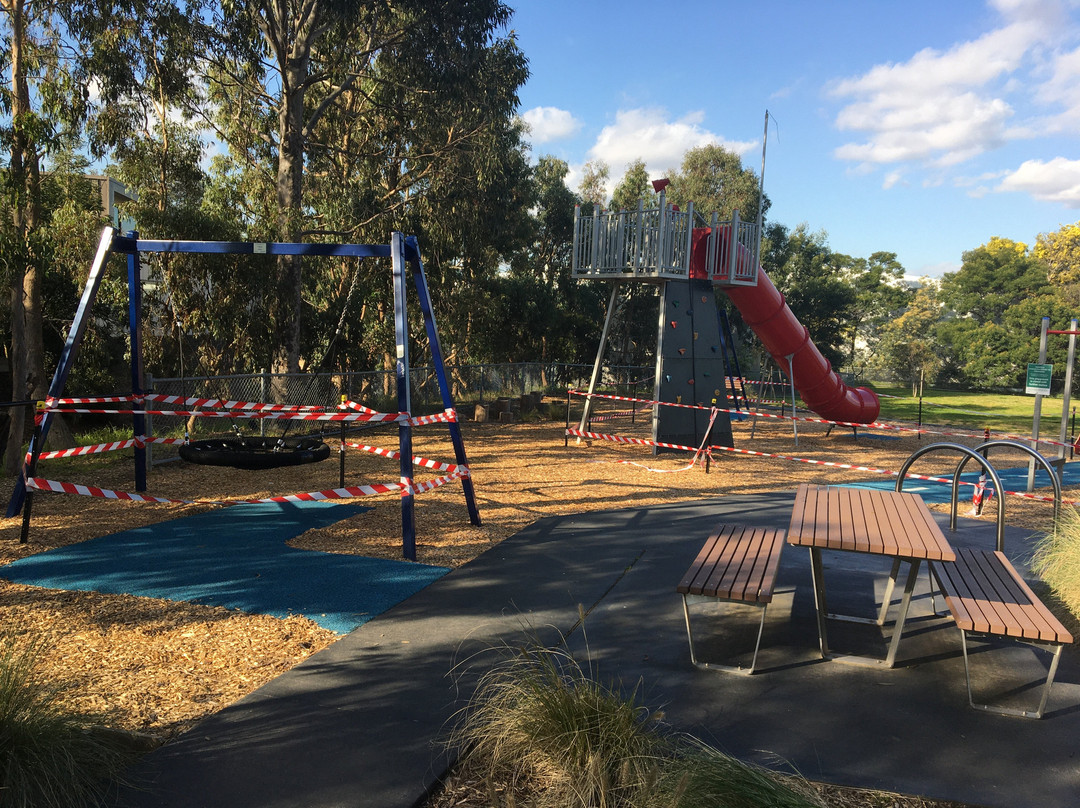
[1014, 479]
[235, 557]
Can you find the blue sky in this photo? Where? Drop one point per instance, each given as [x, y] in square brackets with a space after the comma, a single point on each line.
[922, 128]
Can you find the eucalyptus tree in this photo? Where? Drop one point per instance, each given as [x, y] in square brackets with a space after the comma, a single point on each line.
[633, 187]
[373, 102]
[880, 295]
[811, 276]
[42, 105]
[593, 187]
[713, 178]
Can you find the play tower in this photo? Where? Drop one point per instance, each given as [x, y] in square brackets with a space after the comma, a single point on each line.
[661, 245]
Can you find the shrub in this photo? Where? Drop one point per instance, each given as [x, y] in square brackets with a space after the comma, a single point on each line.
[1057, 559]
[543, 732]
[48, 756]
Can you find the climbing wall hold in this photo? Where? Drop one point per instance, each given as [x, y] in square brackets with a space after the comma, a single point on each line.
[674, 324]
[682, 351]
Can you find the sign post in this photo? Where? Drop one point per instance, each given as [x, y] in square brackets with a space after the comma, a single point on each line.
[1039, 377]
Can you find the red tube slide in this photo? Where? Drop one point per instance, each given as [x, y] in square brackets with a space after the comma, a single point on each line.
[767, 313]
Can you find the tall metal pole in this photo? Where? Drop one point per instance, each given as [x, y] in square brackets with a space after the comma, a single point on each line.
[761, 195]
[1065, 396]
[1038, 407]
[138, 420]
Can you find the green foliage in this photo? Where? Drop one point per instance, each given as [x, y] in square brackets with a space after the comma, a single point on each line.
[714, 179]
[543, 728]
[810, 275]
[908, 346]
[49, 757]
[880, 296]
[702, 776]
[1057, 559]
[1060, 251]
[633, 188]
[994, 277]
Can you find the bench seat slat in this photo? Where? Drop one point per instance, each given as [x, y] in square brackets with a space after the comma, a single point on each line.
[986, 595]
[736, 563]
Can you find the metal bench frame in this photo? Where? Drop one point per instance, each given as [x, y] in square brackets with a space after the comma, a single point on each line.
[765, 545]
[1054, 635]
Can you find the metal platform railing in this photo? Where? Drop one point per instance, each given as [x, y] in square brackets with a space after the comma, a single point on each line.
[654, 244]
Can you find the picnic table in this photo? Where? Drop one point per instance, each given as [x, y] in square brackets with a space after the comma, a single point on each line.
[887, 523]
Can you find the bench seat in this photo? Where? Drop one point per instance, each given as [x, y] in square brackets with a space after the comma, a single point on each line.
[987, 596]
[736, 564]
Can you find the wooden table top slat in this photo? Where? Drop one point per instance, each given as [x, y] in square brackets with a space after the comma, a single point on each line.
[870, 521]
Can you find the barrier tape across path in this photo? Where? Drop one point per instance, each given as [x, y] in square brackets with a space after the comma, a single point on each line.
[828, 463]
[807, 419]
[347, 411]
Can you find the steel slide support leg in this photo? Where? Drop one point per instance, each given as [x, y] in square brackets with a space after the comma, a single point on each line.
[599, 363]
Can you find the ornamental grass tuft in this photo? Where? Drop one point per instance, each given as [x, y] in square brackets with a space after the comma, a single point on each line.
[1057, 559]
[541, 732]
[49, 757]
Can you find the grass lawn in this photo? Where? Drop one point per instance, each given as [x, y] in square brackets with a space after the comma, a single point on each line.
[1000, 412]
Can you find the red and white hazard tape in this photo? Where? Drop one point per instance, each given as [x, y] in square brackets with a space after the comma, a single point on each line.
[348, 492]
[393, 454]
[448, 416]
[352, 405]
[621, 439]
[226, 404]
[805, 419]
[78, 451]
[255, 415]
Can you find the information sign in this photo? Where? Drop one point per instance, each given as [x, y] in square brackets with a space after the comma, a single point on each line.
[1038, 379]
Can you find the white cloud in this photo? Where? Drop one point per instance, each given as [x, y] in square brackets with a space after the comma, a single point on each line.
[648, 134]
[892, 178]
[943, 107]
[550, 123]
[1057, 180]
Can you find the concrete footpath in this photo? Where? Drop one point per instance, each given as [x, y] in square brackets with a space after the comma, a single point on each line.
[361, 723]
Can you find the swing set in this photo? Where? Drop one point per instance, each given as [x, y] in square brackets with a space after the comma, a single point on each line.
[254, 453]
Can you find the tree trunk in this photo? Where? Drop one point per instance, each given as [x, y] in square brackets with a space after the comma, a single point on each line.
[292, 41]
[27, 341]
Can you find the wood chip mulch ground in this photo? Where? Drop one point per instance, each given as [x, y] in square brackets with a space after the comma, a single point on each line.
[156, 667]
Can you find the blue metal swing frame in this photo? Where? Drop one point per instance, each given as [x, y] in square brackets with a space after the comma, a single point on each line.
[403, 251]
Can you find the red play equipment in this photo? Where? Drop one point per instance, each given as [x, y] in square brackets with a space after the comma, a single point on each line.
[764, 309]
